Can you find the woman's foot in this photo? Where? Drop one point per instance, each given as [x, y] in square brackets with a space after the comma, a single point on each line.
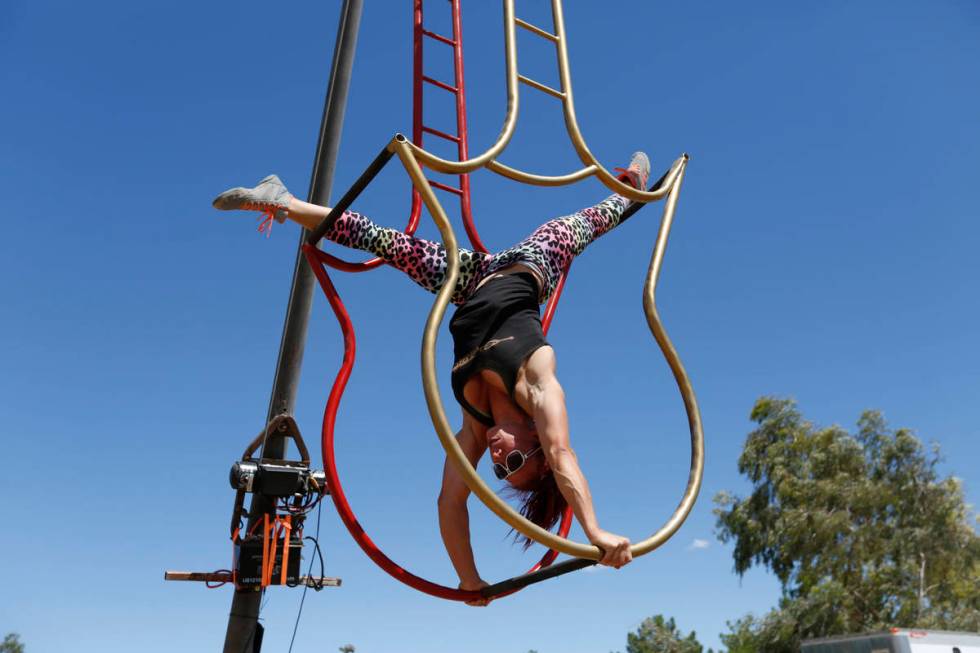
[269, 195]
[637, 173]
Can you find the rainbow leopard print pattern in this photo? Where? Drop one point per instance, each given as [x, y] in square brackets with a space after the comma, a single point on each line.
[551, 248]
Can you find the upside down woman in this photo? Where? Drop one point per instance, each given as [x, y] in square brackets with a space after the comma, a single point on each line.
[503, 374]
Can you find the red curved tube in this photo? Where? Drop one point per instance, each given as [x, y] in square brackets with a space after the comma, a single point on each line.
[315, 259]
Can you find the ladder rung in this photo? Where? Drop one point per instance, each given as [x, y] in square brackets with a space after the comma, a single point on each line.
[436, 82]
[451, 189]
[436, 132]
[537, 30]
[541, 87]
[439, 37]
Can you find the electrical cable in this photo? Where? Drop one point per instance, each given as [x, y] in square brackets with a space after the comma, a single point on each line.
[309, 571]
[317, 585]
[309, 502]
[211, 584]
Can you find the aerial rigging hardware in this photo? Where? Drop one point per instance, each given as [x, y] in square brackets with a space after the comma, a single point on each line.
[269, 553]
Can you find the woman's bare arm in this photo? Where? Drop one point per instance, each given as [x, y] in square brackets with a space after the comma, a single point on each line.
[545, 401]
[454, 517]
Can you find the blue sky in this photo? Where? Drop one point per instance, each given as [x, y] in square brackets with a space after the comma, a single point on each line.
[824, 249]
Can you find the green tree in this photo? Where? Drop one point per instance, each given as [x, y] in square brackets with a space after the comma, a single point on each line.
[346, 648]
[659, 635]
[12, 644]
[859, 528]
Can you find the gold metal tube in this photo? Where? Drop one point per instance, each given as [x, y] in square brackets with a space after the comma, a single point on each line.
[430, 383]
[437, 412]
[413, 157]
[540, 180]
[510, 121]
[562, 180]
[571, 123]
[513, 80]
[680, 376]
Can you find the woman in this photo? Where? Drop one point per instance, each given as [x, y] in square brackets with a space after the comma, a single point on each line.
[504, 370]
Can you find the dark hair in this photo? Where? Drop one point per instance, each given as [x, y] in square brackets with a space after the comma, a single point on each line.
[541, 503]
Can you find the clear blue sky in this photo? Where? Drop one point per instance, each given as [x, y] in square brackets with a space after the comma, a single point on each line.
[824, 248]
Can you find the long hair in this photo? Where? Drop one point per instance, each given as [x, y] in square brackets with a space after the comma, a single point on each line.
[541, 503]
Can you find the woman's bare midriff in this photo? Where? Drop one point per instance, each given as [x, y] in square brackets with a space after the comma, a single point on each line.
[514, 269]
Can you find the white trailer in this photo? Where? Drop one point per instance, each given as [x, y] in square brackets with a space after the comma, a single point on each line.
[897, 640]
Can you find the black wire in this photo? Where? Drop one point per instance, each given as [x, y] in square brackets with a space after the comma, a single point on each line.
[309, 571]
[308, 504]
[318, 585]
[211, 584]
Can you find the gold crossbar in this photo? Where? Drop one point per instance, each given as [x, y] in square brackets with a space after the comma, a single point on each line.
[541, 87]
[537, 30]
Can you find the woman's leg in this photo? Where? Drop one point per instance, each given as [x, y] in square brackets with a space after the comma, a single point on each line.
[309, 216]
[554, 245]
[575, 232]
[422, 260]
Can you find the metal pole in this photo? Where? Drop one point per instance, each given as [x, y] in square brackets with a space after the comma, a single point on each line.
[243, 634]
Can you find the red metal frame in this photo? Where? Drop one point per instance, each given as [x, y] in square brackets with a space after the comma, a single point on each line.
[318, 259]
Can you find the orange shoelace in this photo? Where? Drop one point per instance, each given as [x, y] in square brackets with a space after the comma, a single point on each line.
[266, 225]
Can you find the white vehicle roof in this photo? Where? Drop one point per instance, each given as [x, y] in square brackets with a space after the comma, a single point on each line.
[897, 640]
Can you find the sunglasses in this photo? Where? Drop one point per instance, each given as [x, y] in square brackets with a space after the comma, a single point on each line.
[512, 463]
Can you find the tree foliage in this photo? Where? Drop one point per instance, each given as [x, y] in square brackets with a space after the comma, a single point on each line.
[11, 644]
[859, 528]
[659, 635]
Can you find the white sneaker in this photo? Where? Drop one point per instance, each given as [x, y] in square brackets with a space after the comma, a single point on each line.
[269, 195]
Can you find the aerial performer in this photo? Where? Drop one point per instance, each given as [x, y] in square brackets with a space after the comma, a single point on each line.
[503, 373]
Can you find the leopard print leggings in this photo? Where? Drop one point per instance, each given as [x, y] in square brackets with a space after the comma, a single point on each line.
[550, 248]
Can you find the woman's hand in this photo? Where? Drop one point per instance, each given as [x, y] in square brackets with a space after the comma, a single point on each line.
[615, 548]
[476, 586]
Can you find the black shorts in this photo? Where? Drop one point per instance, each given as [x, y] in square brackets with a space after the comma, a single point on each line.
[497, 329]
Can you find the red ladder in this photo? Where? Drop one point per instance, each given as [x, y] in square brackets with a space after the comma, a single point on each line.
[458, 89]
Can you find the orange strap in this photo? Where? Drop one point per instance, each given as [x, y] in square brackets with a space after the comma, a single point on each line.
[281, 527]
[274, 535]
[266, 564]
[234, 557]
[287, 529]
